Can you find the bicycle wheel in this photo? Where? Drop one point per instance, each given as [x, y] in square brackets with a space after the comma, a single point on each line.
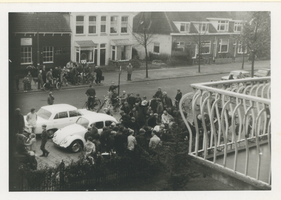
[58, 85]
[85, 106]
[97, 104]
[46, 87]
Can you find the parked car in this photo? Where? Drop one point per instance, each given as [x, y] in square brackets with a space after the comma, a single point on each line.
[235, 73]
[72, 136]
[262, 72]
[56, 116]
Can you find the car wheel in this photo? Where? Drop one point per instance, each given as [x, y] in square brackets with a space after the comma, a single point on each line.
[76, 146]
[51, 133]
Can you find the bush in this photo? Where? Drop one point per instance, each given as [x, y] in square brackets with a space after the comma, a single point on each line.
[135, 63]
[135, 54]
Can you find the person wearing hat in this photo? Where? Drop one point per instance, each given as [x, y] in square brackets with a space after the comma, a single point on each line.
[50, 99]
[40, 80]
[98, 72]
[44, 137]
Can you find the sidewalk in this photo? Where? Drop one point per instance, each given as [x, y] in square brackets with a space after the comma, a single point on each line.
[163, 73]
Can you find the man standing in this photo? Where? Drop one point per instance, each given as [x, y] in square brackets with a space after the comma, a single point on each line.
[178, 98]
[44, 74]
[154, 140]
[91, 93]
[31, 119]
[98, 74]
[50, 99]
[18, 122]
[40, 79]
[129, 72]
[44, 138]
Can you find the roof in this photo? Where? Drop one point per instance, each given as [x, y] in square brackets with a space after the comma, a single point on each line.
[162, 22]
[121, 42]
[85, 43]
[50, 22]
[59, 107]
[93, 117]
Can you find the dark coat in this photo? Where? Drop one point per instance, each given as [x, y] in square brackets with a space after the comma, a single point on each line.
[18, 123]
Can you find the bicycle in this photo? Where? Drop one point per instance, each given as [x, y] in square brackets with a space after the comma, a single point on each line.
[95, 107]
[55, 84]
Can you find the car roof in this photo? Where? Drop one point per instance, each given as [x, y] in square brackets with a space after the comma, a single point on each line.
[59, 107]
[243, 71]
[93, 117]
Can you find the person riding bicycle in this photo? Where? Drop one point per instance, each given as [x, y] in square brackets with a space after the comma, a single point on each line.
[91, 93]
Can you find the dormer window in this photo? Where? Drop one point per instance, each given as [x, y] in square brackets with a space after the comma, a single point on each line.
[238, 26]
[223, 25]
[202, 27]
[184, 27]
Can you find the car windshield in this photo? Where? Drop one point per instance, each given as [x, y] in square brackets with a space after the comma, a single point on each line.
[83, 122]
[45, 114]
[261, 72]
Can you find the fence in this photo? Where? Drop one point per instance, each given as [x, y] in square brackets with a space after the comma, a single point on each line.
[104, 175]
[230, 116]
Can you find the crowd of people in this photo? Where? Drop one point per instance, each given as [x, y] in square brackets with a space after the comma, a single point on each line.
[143, 125]
[72, 72]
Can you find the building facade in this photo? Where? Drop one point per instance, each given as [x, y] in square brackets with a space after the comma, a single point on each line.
[182, 33]
[101, 37]
[37, 39]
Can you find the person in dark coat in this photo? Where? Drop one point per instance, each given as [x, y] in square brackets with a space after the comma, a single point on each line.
[98, 74]
[44, 137]
[131, 100]
[178, 98]
[50, 99]
[133, 125]
[17, 80]
[40, 79]
[167, 102]
[159, 94]
[126, 108]
[125, 119]
[19, 123]
[153, 104]
[44, 74]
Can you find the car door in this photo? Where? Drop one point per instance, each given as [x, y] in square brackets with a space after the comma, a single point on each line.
[61, 120]
[73, 116]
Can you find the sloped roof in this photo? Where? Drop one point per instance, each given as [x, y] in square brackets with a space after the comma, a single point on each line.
[38, 22]
[162, 22]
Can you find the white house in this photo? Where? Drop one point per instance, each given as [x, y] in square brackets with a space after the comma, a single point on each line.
[101, 36]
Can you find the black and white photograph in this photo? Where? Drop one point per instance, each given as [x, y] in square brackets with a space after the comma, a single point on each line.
[171, 98]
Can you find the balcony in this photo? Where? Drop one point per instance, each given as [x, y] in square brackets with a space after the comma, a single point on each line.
[229, 125]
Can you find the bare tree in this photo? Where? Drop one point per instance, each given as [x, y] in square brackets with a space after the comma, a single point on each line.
[144, 36]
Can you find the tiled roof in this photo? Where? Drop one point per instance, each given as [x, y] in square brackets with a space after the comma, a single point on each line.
[38, 22]
[162, 22]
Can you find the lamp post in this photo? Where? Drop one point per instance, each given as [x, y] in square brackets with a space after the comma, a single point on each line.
[119, 79]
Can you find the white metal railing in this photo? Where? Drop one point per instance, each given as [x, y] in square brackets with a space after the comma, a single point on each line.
[229, 116]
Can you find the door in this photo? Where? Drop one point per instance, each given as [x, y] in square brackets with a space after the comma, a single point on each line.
[73, 116]
[61, 120]
[102, 56]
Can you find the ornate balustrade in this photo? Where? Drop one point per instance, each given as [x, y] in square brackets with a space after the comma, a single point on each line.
[226, 117]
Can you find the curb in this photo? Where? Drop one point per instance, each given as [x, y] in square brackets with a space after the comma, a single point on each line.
[142, 80]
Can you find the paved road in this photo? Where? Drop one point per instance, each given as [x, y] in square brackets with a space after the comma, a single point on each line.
[76, 97]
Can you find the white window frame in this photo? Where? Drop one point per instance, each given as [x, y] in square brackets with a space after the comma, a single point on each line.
[48, 58]
[221, 43]
[240, 49]
[223, 23]
[206, 44]
[114, 24]
[186, 27]
[124, 24]
[203, 25]
[156, 44]
[103, 23]
[25, 51]
[113, 49]
[238, 25]
[80, 23]
[92, 24]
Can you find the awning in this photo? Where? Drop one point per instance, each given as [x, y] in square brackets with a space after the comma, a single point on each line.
[85, 43]
[121, 42]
